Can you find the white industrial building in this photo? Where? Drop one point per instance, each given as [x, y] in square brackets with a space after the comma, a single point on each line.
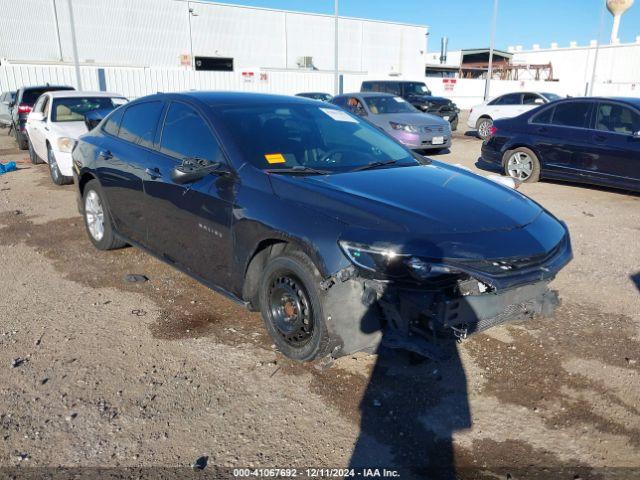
[175, 33]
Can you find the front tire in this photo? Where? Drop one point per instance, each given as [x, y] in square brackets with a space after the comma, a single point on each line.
[54, 170]
[33, 156]
[97, 219]
[483, 126]
[522, 164]
[291, 306]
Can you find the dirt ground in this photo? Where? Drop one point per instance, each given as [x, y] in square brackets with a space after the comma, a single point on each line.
[98, 372]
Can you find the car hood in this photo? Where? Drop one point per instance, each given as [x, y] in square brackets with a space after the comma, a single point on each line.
[434, 210]
[68, 129]
[417, 118]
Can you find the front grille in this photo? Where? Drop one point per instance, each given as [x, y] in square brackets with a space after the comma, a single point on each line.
[433, 129]
[505, 266]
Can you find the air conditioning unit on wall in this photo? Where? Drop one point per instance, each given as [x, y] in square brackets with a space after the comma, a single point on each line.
[305, 62]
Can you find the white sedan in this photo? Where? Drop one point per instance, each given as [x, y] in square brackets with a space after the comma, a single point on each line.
[510, 105]
[56, 122]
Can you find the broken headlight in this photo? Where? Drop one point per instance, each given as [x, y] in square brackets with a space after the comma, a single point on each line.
[388, 263]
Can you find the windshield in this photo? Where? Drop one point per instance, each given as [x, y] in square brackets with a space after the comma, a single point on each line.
[294, 136]
[382, 105]
[551, 96]
[416, 88]
[73, 109]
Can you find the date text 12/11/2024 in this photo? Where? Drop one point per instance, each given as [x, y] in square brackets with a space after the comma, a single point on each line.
[315, 473]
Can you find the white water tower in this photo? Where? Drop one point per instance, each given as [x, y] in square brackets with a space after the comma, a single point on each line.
[617, 9]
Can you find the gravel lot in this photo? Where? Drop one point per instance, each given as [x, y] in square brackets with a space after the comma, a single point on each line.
[95, 371]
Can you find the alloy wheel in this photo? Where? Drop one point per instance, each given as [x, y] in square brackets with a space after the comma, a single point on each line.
[290, 311]
[484, 129]
[520, 166]
[94, 214]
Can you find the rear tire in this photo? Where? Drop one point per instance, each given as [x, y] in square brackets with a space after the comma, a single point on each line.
[97, 219]
[522, 164]
[291, 306]
[483, 125]
[23, 142]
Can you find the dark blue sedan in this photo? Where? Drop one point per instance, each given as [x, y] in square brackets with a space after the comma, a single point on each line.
[589, 140]
[340, 236]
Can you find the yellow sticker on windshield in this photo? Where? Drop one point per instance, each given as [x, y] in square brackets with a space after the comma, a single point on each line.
[274, 158]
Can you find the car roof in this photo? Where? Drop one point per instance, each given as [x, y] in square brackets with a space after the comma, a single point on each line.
[630, 100]
[215, 98]
[367, 94]
[44, 87]
[313, 93]
[75, 93]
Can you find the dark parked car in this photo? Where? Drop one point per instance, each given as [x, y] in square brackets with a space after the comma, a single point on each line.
[590, 140]
[339, 235]
[323, 97]
[21, 107]
[418, 95]
[6, 100]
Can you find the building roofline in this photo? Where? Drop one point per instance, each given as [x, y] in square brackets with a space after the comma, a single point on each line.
[251, 7]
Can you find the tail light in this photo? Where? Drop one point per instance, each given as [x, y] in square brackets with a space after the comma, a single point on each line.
[492, 131]
[22, 108]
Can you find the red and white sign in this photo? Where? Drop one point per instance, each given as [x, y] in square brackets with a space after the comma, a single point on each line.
[449, 84]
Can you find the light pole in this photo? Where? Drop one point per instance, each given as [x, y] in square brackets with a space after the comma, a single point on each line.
[336, 74]
[595, 57]
[74, 45]
[487, 85]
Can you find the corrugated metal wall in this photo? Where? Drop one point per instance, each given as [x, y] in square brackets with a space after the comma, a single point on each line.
[155, 33]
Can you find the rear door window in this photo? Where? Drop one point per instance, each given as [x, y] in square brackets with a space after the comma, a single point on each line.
[186, 135]
[139, 123]
[509, 99]
[112, 124]
[572, 114]
[393, 88]
[544, 117]
[616, 118]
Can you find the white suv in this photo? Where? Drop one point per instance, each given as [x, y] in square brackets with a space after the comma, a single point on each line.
[510, 105]
[56, 122]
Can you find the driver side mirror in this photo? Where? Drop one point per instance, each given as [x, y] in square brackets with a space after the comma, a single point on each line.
[538, 101]
[193, 169]
[636, 135]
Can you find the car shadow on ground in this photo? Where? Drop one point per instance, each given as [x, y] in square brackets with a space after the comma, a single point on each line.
[635, 278]
[412, 405]
[409, 412]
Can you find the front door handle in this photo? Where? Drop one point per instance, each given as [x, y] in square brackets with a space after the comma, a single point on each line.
[106, 154]
[153, 173]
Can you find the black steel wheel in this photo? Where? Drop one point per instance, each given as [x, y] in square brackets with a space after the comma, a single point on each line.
[291, 304]
[290, 309]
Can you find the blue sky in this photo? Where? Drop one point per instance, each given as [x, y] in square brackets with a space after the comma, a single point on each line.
[467, 22]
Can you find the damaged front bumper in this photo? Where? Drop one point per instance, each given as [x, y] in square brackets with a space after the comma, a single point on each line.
[364, 313]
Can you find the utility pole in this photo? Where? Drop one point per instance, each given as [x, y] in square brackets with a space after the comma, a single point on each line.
[336, 74]
[595, 58]
[487, 85]
[55, 20]
[190, 14]
[74, 45]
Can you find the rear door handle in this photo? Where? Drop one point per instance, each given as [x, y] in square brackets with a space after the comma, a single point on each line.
[153, 173]
[106, 154]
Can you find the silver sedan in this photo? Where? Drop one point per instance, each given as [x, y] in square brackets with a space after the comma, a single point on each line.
[400, 119]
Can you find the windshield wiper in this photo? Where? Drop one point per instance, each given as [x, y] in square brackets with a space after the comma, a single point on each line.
[372, 165]
[298, 170]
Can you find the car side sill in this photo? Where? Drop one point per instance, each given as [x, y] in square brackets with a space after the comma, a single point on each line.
[177, 266]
